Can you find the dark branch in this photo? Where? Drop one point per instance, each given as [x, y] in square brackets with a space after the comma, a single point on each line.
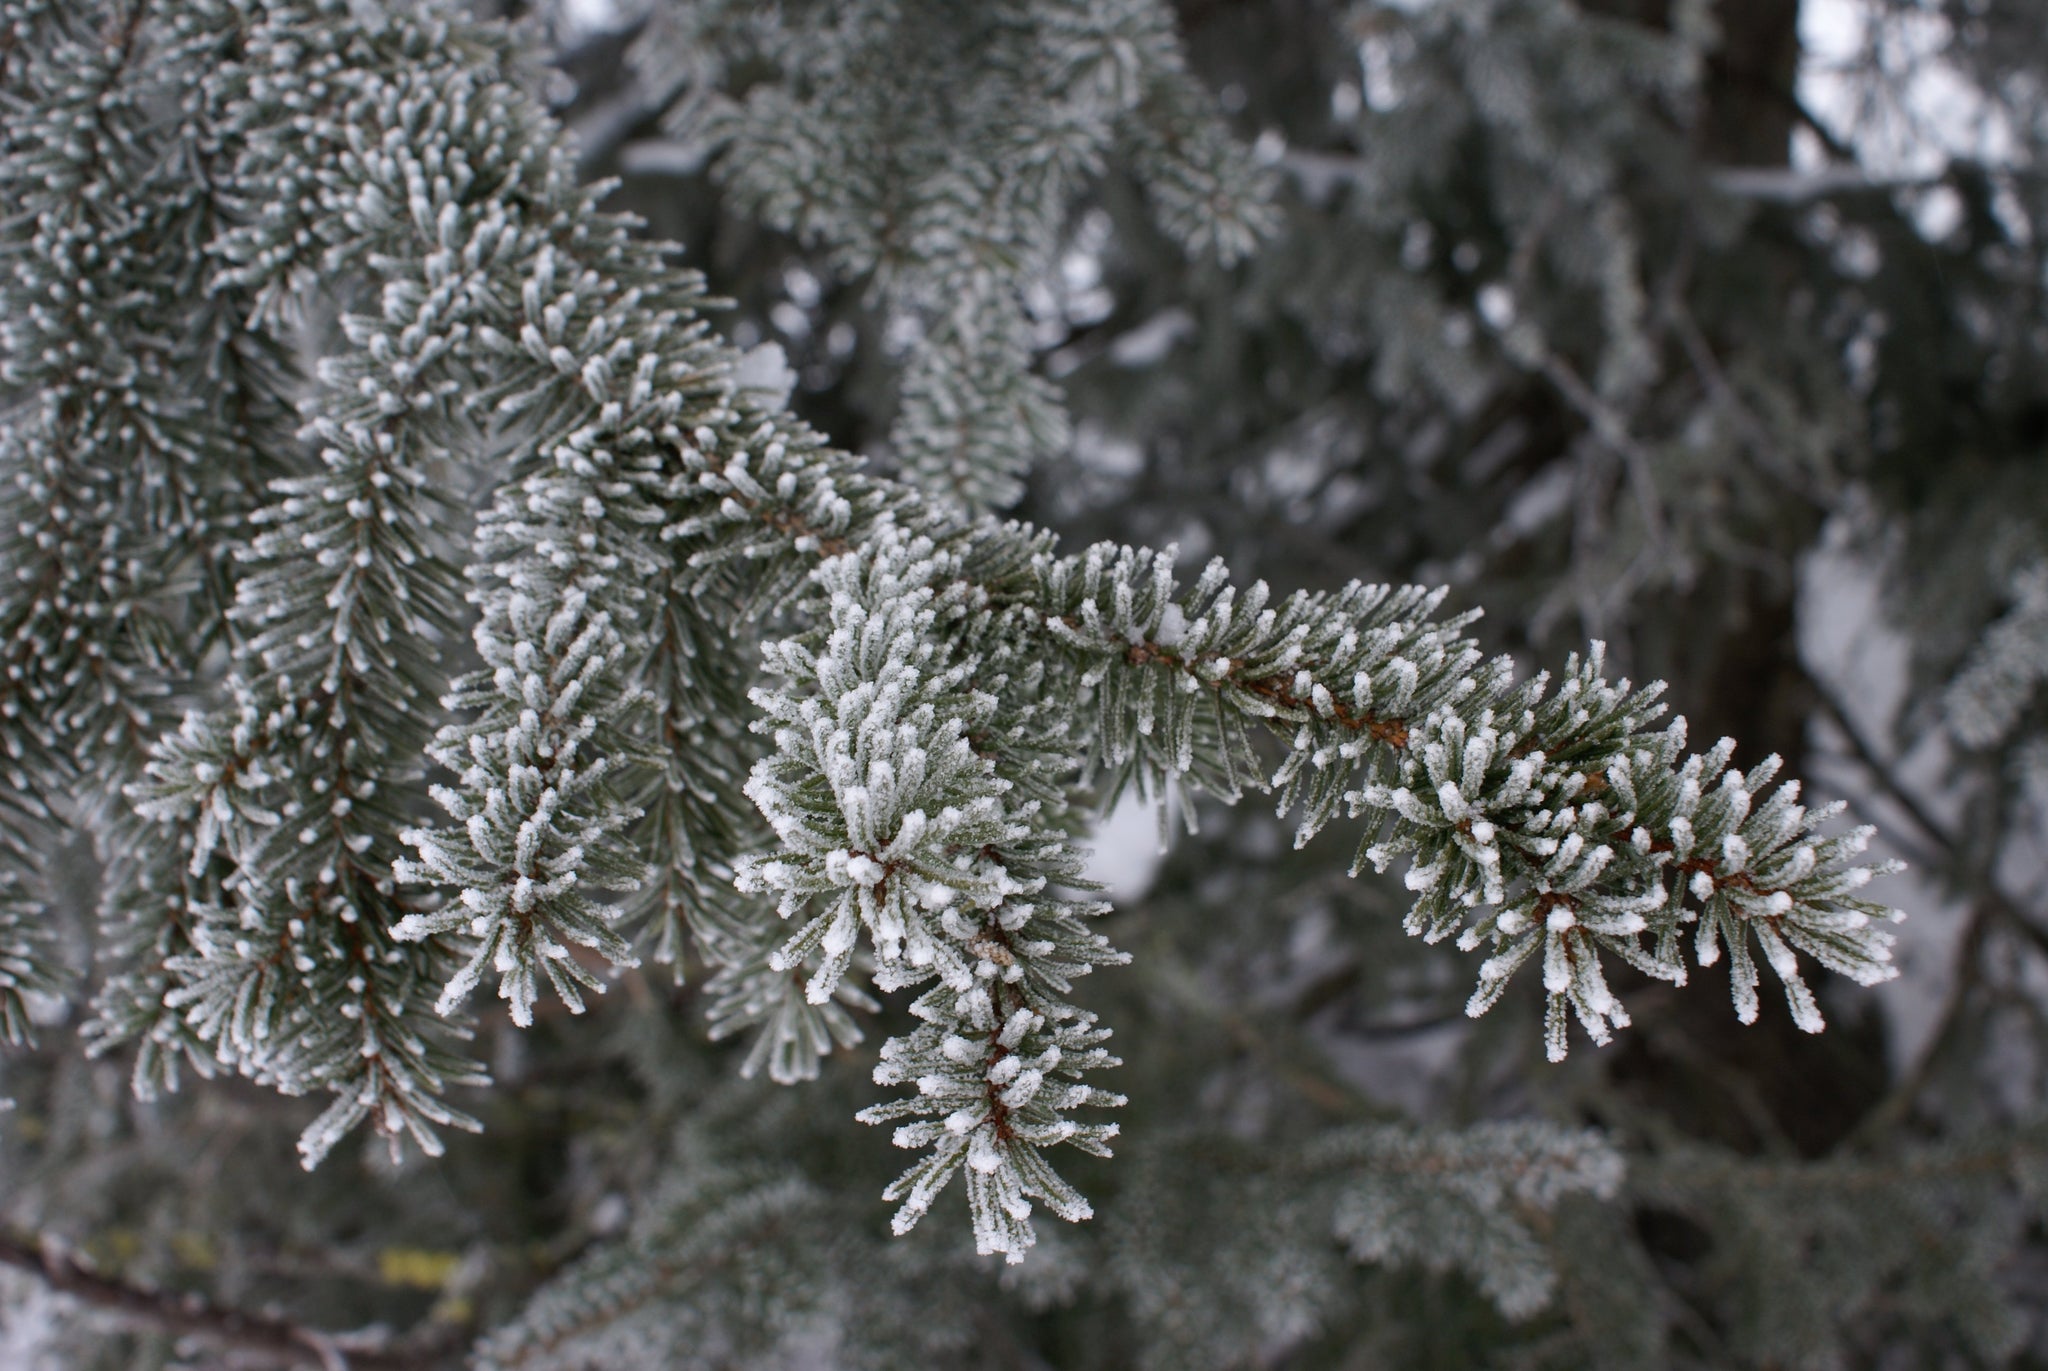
[192, 1315]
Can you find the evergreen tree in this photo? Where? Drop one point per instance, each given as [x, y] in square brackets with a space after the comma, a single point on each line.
[415, 581]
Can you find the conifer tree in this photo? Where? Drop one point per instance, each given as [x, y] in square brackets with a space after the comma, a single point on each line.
[419, 586]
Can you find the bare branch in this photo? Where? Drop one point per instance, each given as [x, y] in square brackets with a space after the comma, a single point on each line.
[190, 1315]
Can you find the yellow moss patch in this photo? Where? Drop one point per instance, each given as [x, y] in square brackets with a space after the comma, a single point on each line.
[416, 1267]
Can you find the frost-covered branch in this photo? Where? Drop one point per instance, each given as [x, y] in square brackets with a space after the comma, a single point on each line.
[134, 418]
[301, 781]
[955, 694]
[1531, 820]
[939, 152]
[917, 807]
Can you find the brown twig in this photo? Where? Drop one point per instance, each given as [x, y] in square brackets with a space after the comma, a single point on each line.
[191, 1315]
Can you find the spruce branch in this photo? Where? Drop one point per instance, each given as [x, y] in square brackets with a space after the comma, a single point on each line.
[152, 904]
[939, 153]
[911, 807]
[504, 316]
[113, 465]
[28, 960]
[1539, 821]
[295, 978]
[1611, 833]
[700, 1246]
[522, 636]
[1478, 1199]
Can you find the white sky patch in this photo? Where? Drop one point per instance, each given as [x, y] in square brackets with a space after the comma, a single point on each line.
[1876, 78]
[765, 370]
[1850, 647]
[1496, 305]
[1144, 345]
[1382, 89]
[1124, 851]
[591, 16]
[1101, 451]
